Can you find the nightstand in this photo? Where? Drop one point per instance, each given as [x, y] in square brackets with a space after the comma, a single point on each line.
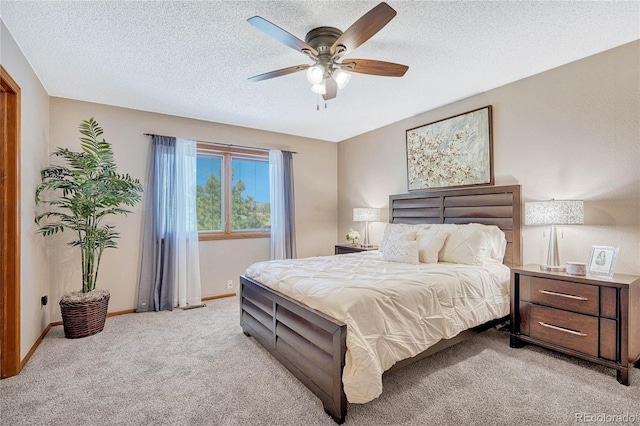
[596, 320]
[347, 248]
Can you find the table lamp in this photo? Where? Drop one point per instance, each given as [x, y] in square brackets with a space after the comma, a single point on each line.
[553, 212]
[366, 215]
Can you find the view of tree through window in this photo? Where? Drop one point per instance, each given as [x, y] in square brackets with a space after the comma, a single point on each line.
[209, 192]
[250, 198]
[249, 207]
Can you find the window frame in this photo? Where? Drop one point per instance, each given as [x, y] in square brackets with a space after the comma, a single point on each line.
[227, 154]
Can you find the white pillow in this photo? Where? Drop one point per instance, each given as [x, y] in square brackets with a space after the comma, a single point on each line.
[398, 232]
[430, 242]
[401, 251]
[470, 244]
[498, 241]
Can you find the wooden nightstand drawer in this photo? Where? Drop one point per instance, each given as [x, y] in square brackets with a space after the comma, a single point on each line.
[568, 329]
[563, 295]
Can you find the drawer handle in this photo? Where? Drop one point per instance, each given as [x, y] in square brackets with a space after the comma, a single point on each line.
[568, 296]
[566, 330]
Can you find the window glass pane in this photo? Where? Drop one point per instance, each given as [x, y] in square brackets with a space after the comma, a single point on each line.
[209, 192]
[250, 194]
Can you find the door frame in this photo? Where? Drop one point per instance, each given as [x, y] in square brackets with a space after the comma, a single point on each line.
[9, 226]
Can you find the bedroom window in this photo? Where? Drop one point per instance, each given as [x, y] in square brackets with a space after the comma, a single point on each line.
[232, 193]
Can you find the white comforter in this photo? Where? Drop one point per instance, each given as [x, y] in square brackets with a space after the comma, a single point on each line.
[393, 311]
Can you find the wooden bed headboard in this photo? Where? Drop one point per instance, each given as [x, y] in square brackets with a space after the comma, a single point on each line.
[489, 205]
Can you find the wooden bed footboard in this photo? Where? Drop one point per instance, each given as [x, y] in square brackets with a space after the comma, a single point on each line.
[309, 344]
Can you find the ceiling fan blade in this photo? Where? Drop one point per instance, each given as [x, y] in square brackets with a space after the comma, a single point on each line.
[331, 89]
[281, 35]
[365, 27]
[279, 73]
[369, 66]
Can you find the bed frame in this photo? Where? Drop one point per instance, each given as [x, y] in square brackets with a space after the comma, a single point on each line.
[312, 345]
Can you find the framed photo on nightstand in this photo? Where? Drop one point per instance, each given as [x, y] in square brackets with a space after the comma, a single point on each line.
[602, 261]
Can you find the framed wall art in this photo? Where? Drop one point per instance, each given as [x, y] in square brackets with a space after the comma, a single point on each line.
[452, 152]
[602, 261]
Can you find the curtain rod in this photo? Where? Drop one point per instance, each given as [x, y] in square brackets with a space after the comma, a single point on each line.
[228, 145]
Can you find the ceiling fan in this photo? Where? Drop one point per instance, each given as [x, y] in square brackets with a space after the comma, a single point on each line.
[327, 45]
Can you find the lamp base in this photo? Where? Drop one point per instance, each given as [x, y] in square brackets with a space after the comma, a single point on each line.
[553, 268]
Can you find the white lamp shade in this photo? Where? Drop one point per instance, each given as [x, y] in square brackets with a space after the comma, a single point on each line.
[320, 89]
[366, 214]
[315, 74]
[554, 212]
[341, 78]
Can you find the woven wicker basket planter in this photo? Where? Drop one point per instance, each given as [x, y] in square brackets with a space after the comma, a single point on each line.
[82, 319]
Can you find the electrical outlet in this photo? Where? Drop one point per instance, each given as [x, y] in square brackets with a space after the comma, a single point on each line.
[230, 284]
[44, 300]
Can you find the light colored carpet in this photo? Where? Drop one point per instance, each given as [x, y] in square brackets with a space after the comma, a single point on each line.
[195, 367]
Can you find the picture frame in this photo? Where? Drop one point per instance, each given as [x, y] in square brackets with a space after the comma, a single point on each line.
[602, 261]
[456, 151]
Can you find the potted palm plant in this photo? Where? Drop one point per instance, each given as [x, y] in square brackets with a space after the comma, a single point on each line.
[80, 195]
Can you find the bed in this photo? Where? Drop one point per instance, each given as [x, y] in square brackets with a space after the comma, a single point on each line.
[312, 345]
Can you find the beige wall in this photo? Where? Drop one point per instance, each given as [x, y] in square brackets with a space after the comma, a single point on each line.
[34, 134]
[571, 132]
[315, 172]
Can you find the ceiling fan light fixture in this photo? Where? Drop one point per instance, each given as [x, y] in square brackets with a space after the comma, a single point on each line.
[320, 89]
[341, 77]
[315, 74]
[326, 46]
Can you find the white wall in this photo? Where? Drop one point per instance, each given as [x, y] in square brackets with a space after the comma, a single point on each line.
[315, 174]
[568, 133]
[34, 137]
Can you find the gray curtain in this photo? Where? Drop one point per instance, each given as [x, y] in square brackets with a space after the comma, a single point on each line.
[156, 283]
[289, 205]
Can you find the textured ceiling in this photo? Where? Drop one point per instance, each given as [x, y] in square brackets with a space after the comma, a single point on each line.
[192, 59]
